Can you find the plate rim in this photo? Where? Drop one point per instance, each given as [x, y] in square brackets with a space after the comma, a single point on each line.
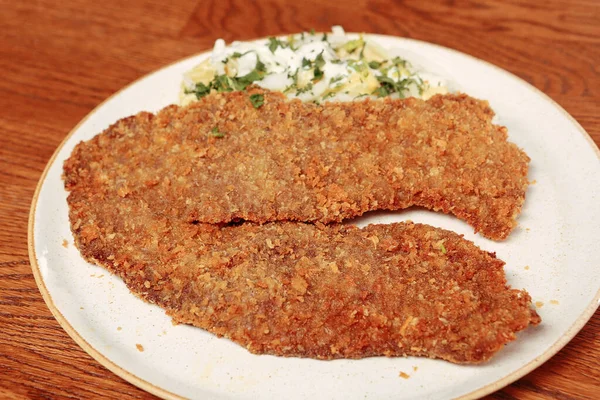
[570, 333]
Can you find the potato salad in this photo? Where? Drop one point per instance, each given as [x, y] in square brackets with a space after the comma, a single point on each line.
[315, 67]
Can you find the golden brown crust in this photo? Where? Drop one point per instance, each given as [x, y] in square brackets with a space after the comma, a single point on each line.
[294, 289]
[304, 162]
[138, 190]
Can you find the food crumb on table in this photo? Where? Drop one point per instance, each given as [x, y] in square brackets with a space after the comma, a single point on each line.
[139, 347]
[65, 243]
[539, 304]
[404, 375]
[554, 302]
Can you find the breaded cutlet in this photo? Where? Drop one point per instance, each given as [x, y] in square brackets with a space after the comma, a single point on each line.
[306, 290]
[221, 160]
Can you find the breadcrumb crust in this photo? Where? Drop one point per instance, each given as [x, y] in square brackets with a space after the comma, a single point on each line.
[295, 289]
[292, 161]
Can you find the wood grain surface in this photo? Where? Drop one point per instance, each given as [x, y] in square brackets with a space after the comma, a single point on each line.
[61, 59]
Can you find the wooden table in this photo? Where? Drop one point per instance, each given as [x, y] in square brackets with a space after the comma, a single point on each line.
[61, 59]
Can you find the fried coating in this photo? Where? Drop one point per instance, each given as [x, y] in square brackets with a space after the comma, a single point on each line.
[296, 289]
[221, 160]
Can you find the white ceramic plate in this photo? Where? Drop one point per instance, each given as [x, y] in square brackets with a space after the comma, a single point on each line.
[553, 254]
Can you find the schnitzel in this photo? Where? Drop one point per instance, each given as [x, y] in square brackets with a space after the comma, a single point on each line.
[296, 289]
[227, 158]
[157, 200]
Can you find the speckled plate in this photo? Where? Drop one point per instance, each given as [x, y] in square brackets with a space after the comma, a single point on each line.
[553, 254]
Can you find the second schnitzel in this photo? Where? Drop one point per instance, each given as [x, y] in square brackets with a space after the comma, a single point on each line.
[295, 289]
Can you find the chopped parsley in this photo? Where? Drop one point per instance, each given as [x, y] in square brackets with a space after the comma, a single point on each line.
[243, 81]
[375, 64]
[238, 54]
[316, 65]
[274, 43]
[399, 62]
[257, 100]
[362, 51]
[389, 86]
[306, 63]
[358, 65]
[304, 89]
[294, 77]
[224, 83]
[200, 90]
[215, 133]
[320, 61]
[352, 45]
[260, 66]
[318, 74]
[289, 88]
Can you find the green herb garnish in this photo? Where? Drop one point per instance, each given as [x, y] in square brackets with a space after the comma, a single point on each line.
[357, 65]
[305, 89]
[294, 77]
[238, 54]
[397, 61]
[352, 45]
[200, 90]
[389, 86]
[375, 64]
[216, 134]
[222, 83]
[260, 66]
[320, 61]
[243, 81]
[257, 100]
[381, 91]
[318, 74]
[362, 51]
[274, 43]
